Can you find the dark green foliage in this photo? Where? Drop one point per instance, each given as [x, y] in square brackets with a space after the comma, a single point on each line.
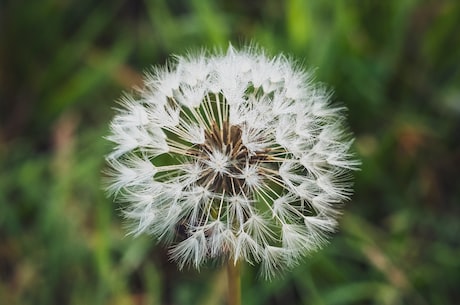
[394, 64]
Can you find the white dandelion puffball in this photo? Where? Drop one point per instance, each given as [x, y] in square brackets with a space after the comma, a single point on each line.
[235, 156]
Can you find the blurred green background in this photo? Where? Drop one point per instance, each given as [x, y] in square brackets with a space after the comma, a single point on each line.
[395, 64]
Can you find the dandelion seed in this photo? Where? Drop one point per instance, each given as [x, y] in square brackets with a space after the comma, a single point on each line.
[233, 156]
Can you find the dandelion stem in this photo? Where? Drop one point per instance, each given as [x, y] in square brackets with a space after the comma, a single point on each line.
[234, 285]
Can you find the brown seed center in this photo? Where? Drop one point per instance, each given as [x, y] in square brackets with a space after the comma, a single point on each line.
[226, 140]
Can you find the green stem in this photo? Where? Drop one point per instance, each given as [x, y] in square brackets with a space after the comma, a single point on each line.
[234, 282]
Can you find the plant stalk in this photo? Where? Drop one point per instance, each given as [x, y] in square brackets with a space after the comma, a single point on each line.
[234, 282]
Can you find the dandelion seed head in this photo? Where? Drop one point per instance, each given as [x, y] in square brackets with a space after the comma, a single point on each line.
[232, 155]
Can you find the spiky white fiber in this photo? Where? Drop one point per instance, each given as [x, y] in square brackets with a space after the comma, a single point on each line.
[235, 156]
